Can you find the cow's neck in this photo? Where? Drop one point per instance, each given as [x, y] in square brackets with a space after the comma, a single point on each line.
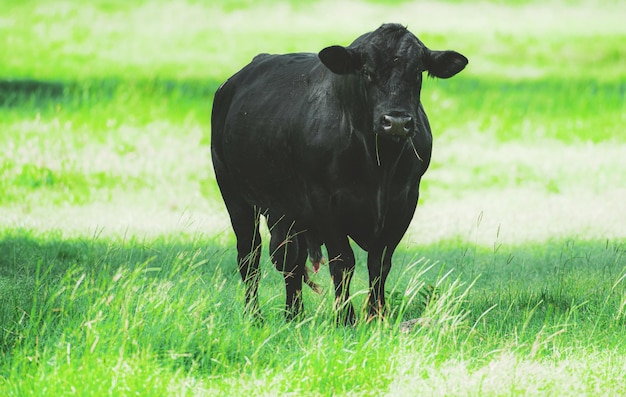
[383, 156]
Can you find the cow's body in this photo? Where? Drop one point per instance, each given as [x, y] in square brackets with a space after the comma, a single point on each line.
[297, 138]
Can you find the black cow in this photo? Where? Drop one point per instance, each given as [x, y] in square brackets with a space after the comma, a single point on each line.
[327, 147]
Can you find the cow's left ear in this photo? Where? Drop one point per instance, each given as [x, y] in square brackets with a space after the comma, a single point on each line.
[444, 64]
[340, 60]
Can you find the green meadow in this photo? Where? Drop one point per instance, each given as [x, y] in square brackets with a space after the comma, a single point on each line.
[117, 262]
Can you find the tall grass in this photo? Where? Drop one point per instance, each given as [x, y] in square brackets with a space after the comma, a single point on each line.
[164, 312]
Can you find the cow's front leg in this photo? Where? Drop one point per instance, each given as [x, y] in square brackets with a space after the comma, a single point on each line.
[378, 266]
[341, 265]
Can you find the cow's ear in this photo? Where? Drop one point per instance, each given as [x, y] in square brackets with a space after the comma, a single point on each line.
[444, 64]
[340, 60]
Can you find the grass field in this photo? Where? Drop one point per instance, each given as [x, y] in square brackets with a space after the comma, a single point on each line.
[117, 262]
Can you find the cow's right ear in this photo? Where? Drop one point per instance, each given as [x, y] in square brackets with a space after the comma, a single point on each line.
[340, 60]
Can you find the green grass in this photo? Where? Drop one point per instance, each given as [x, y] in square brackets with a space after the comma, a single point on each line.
[117, 263]
[166, 314]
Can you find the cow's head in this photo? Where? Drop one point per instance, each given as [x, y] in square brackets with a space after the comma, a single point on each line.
[389, 63]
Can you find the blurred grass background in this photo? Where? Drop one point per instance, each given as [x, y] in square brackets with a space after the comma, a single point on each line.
[105, 105]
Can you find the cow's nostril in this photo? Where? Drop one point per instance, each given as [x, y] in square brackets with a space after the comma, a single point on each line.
[387, 122]
[408, 126]
[397, 125]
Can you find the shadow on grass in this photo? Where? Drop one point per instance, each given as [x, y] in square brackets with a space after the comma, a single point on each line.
[181, 297]
[518, 102]
[551, 278]
[560, 273]
[52, 281]
[20, 93]
[21, 254]
[519, 96]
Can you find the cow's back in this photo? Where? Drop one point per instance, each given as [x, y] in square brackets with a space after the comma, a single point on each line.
[269, 84]
[261, 119]
[268, 94]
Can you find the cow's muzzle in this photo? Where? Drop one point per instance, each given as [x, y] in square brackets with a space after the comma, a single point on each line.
[397, 125]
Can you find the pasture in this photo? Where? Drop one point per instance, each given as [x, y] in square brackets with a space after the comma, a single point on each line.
[117, 261]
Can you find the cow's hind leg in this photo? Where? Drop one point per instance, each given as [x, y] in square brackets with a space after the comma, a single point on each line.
[289, 253]
[245, 222]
